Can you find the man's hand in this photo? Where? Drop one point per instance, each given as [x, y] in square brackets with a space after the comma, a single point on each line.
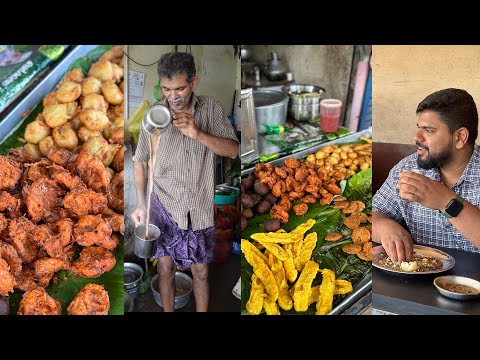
[396, 241]
[139, 216]
[185, 123]
[423, 190]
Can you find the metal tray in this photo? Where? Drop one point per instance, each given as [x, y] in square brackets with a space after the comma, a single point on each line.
[304, 153]
[365, 285]
[15, 117]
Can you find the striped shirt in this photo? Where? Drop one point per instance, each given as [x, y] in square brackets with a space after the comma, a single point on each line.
[427, 226]
[184, 173]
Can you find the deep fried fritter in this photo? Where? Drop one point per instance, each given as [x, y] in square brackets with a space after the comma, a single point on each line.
[3, 223]
[115, 193]
[299, 187]
[327, 199]
[93, 262]
[47, 267]
[333, 188]
[285, 203]
[60, 156]
[7, 281]
[301, 174]
[8, 202]
[92, 172]
[18, 231]
[20, 156]
[117, 222]
[93, 230]
[91, 300]
[85, 202]
[38, 302]
[300, 209]
[278, 213]
[64, 177]
[117, 163]
[309, 199]
[279, 188]
[35, 171]
[55, 240]
[10, 255]
[42, 198]
[10, 173]
[292, 163]
[26, 278]
[314, 180]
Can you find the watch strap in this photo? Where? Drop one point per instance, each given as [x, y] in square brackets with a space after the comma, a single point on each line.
[447, 215]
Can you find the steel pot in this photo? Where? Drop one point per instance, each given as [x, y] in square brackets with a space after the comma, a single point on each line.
[270, 108]
[304, 101]
[157, 117]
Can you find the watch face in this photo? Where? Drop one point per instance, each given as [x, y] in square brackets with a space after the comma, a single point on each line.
[454, 207]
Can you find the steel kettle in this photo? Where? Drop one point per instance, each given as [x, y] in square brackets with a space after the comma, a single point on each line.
[275, 69]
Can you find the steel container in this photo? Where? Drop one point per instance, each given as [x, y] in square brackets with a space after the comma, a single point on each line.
[143, 247]
[182, 281]
[304, 101]
[270, 108]
[132, 277]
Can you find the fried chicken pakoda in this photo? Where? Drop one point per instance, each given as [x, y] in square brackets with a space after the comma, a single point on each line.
[93, 230]
[91, 300]
[93, 262]
[38, 302]
[7, 281]
[10, 255]
[10, 173]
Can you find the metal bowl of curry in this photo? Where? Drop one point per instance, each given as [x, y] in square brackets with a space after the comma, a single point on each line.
[457, 287]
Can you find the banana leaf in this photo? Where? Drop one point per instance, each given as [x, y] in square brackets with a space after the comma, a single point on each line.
[68, 285]
[328, 254]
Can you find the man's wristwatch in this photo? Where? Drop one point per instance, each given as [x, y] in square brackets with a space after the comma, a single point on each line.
[453, 207]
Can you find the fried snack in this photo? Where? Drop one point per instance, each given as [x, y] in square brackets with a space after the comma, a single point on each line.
[10, 255]
[50, 99]
[284, 299]
[365, 256]
[352, 222]
[262, 271]
[42, 199]
[102, 70]
[333, 236]
[93, 119]
[360, 235]
[91, 300]
[10, 173]
[309, 244]
[38, 302]
[303, 286]
[85, 202]
[112, 92]
[352, 248]
[36, 131]
[300, 209]
[55, 115]
[7, 281]
[47, 267]
[3, 223]
[257, 295]
[26, 279]
[67, 92]
[113, 55]
[91, 171]
[91, 85]
[75, 75]
[339, 198]
[341, 287]
[327, 289]
[94, 101]
[277, 238]
[276, 250]
[289, 266]
[248, 246]
[18, 231]
[93, 262]
[8, 202]
[115, 193]
[271, 307]
[65, 136]
[55, 240]
[93, 230]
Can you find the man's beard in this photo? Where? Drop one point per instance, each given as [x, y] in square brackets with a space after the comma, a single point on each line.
[441, 159]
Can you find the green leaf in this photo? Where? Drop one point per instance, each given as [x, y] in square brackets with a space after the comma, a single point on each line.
[359, 187]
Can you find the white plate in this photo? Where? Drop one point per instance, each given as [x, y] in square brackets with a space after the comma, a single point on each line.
[448, 261]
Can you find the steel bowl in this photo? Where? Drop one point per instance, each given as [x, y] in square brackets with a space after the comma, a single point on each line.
[127, 303]
[183, 282]
[304, 101]
[441, 281]
[132, 278]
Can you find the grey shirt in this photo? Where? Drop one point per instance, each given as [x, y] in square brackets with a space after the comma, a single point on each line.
[184, 173]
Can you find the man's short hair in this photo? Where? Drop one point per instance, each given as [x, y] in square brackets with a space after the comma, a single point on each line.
[176, 63]
[456, 108]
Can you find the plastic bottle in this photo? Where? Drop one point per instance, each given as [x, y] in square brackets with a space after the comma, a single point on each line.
[275, 129]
